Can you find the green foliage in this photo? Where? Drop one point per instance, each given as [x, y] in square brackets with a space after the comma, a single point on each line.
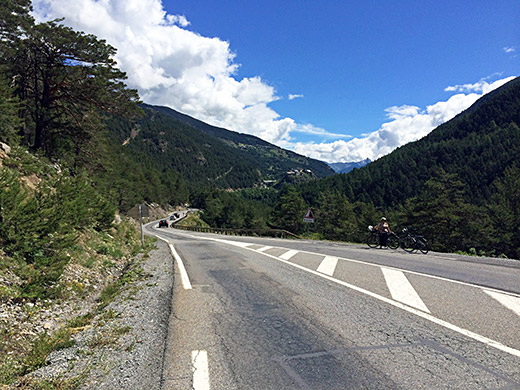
[65, 80]
[37, 228]
[10, 122]
[505, 213]
[230, 210]
[289, 211]
[443, 215]
[335, 217]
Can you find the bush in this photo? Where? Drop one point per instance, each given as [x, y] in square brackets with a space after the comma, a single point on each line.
[38, 227]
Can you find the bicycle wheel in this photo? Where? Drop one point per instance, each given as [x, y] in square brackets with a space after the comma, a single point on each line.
[392, 242]
[373, 240]
[408, 244]
[423, 245]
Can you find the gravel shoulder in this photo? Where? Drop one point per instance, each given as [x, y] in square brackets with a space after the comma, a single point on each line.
[123, 346]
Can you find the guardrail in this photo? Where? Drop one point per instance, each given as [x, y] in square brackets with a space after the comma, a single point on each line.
[278, 233]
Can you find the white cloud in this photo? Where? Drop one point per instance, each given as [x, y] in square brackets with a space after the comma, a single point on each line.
[295, 96]
[178, 19]
[481, 86]
[407, 124]
[196, 75]
[170, 65]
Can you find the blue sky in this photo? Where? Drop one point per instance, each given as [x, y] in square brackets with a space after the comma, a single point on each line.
[334, 80]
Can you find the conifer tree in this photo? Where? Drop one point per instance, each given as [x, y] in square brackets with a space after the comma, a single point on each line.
[65, 79]
[289, 211]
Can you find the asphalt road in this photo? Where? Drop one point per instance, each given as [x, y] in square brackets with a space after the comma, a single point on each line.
[257, 313]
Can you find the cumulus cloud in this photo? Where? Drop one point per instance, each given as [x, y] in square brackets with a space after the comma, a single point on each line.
[407, 124]
[173, 66]
[170, 65]
[482, 86]
[313, 130]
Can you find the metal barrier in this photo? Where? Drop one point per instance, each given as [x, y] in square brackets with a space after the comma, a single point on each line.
[277, 233]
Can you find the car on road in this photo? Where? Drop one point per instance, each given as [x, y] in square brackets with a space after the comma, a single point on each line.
[163, 223]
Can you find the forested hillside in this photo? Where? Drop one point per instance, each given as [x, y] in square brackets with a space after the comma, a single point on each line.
[272, 161]
[459, 185]
[476, 146]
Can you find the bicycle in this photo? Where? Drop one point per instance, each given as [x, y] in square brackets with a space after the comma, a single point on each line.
[392, 241]
[411, 242]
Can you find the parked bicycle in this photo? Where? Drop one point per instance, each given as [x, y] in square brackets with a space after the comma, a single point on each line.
[411, 242]
[407, 240]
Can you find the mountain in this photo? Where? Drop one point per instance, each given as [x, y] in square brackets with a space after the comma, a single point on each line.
[205, 155]
[346, 167]
[272, 160]
[476, 146]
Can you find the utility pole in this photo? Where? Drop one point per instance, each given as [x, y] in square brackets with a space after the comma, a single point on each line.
[141, 223]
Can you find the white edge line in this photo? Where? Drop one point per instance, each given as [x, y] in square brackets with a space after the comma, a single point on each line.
[184, 275]
[245, 245]
[186, 284]
[426, 316]
[237, 243]
[199, 361]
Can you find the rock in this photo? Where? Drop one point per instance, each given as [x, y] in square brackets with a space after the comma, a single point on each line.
[4, 147]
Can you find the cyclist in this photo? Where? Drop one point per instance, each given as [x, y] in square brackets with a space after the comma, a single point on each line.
[384, 231]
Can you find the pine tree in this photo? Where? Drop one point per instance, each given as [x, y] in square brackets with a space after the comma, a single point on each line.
[65, 78]
[505, 213]
[289, 211]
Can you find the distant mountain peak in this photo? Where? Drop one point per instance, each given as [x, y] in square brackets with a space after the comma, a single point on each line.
[345, 167]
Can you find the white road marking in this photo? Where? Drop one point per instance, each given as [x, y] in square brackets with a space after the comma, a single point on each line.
[184, 275]
[475, 336]
[509, 301]
[287, 255]
[402, 290]
[235, 243]
[185, 280]
[328, 265]
[199, 360]
[246, 245]
[264, 248]
[409, 309]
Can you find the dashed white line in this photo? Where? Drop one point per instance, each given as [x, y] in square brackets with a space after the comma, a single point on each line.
[264, 248]
[328, 265]
[199, 361]
[509, 301]
[409, 309]
[287, 255]
[402, 290]
[412, 310]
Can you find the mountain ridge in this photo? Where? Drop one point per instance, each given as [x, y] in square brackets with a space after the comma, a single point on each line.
[477, 146]
[346, 167]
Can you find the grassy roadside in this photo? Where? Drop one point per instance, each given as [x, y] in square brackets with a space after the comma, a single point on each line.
[101, 265]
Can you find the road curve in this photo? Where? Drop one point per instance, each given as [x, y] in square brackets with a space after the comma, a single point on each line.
[283, 314]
